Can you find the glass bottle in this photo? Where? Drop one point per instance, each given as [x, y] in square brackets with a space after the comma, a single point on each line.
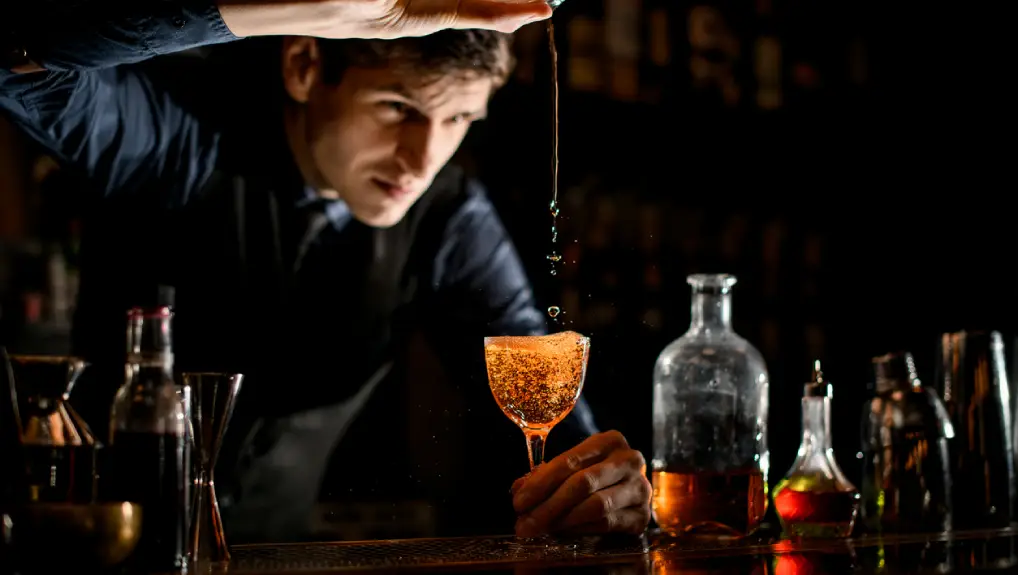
[906, 475]
[150, 454]
[815, 499]
[710, 462]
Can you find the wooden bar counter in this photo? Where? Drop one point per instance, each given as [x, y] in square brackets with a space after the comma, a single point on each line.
[959, 552]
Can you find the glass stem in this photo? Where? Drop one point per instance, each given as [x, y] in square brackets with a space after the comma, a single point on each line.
[535, 447]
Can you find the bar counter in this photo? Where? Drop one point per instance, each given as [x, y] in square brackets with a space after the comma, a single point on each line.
[959, 552]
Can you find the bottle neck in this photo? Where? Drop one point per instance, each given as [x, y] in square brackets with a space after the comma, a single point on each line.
[711, 311]
[151, 373]
[150, 345]
[816, 424]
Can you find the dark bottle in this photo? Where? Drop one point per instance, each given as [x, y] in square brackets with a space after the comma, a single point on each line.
[906, 478]
[149, 460]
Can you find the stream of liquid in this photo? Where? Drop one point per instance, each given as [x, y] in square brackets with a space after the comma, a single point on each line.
[554, 257]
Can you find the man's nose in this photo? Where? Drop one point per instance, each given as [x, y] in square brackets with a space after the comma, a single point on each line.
[415, 148]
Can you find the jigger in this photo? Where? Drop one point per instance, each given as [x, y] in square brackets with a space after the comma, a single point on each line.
[212, 399]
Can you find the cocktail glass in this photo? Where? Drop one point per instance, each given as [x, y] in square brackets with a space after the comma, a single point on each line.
[536, 380]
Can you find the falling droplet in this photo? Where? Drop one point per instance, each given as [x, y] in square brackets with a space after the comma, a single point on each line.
[553, 272]
[555, 257]
[554, 310]
[554, 209]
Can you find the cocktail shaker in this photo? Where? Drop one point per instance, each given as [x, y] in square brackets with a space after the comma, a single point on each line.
[972, 381]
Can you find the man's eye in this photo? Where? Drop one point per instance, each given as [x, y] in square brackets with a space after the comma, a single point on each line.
[395, 107]
[459, 119]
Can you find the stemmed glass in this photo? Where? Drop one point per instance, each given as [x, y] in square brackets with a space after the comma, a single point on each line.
[536, 380]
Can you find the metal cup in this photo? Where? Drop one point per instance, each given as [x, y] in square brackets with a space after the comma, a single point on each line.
[213, 396]
[972, 380]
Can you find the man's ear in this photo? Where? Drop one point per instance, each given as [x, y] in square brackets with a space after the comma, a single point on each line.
[302, 66]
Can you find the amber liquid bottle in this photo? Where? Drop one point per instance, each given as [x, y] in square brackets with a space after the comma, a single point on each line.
[710, 437]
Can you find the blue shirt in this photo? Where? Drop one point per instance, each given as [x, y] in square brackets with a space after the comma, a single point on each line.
[103, 108]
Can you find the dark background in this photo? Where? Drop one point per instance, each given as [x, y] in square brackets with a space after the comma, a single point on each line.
[859, 188]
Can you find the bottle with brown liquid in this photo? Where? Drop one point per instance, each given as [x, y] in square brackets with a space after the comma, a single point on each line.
[815, 499]
[710, 423]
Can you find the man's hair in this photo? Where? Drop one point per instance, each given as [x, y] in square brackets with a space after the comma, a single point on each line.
[449, 53]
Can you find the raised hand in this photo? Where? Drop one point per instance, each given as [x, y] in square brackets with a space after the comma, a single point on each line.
[376, 18]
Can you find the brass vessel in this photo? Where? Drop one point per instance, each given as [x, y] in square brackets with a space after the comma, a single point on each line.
[85, 536]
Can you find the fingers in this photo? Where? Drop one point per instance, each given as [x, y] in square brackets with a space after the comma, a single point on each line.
[501, 15]
[519, 482]
[595, 484]
[546, 479]
[602, 508]
[632, 520]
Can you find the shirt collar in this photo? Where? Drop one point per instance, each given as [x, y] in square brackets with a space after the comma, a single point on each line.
[336, 210]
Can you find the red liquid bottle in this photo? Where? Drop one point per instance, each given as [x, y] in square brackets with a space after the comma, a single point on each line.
[149, 462]
[815, 499]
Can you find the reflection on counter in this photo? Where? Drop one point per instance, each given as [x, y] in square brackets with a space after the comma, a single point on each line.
[664, 564]
[657, 554]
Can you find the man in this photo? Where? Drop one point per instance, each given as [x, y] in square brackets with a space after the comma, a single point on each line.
[309, 226]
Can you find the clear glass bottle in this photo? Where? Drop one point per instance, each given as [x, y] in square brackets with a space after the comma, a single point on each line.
[149, 460]
[815, 499]
[711, 460]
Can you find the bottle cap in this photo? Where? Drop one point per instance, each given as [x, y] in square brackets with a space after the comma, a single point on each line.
[153, 298]
[895, 370]
[817, 386]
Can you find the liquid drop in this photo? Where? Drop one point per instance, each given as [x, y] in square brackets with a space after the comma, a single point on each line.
[553, 311]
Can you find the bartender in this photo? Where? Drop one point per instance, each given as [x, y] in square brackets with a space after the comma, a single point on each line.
[301, 202]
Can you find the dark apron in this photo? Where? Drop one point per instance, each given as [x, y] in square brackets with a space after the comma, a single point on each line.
[311, 315]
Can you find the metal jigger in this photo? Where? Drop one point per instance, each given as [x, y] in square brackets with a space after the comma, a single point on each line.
[212, 399]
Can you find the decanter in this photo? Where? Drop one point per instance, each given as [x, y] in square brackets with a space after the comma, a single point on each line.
[815, 499]
[710, 462]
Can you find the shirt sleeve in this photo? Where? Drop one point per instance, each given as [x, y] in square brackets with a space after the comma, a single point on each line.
[62, 35]
[488, 292]
[99, 110]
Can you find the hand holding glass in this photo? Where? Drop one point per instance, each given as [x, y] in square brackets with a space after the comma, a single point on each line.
[536, 380]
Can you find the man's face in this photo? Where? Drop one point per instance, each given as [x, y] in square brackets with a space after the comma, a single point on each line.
[378, 138]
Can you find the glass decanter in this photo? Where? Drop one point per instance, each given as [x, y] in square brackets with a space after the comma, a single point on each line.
[710, 462]
[815, 499]
[58, 446]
